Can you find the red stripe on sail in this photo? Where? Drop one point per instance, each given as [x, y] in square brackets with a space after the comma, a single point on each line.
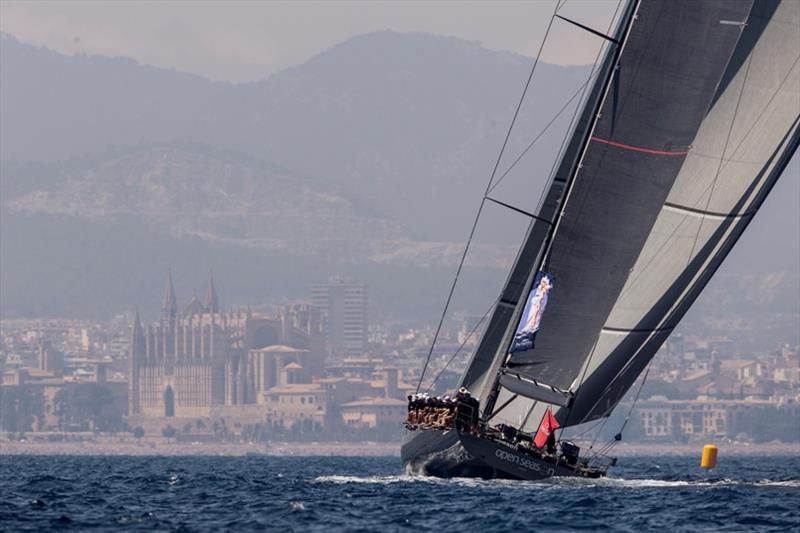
[639, 148]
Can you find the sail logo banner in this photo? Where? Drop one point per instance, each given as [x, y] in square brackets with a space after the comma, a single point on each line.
[532, 314]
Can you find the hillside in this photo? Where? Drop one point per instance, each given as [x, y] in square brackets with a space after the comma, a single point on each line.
[410, 122]
[193, 191]
[368, 160]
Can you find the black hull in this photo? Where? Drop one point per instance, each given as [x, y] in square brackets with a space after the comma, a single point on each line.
[440, 454]
[450, 454]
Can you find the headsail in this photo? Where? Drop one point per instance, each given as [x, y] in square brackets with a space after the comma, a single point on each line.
[699, 121]
[742, 146]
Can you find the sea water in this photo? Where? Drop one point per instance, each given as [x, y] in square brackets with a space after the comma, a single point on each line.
[42, 493]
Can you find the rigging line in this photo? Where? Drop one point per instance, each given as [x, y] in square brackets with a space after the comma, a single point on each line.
[724, 151]
[521, 99]
[539, 135]
[620, 373]
[463, 343]
[576, 112]
[582, 91]
[585, 431]
[599, 432]
[578, 389]
[613, 442]
[483, 200]
[452, 290]
[635, 399]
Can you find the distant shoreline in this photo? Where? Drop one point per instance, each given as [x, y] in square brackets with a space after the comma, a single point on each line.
[343, 449]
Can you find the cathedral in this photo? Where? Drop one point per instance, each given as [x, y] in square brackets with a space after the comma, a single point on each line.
[198, 358]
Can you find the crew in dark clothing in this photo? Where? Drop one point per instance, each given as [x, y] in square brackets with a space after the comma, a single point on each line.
[550, 446]
[467, 411]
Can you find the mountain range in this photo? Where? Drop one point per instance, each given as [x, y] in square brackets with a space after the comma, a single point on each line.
[368, 160]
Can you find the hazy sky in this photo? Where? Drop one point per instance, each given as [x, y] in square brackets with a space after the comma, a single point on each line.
[245, 41]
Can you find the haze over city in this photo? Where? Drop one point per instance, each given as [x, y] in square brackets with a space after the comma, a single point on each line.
[231, 228]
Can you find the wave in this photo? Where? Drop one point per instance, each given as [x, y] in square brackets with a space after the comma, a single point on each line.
[379, 480]
[409, 478]
[555, 483]
[667, 483]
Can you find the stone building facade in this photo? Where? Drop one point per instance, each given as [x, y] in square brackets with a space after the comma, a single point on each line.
[200, 357]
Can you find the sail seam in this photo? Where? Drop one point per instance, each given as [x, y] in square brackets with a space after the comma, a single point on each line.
[625, 331]
[702, 213]
[632, 148]
[724, 151]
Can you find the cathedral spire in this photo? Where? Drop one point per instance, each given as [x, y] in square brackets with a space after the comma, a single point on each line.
[212, 302]
[137, 336]
[169, 304]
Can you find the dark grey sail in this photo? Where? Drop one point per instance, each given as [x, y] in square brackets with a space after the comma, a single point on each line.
[646, 169]
[491, 349]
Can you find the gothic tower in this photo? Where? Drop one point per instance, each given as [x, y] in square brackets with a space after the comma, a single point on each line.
[169, 304]
[212, 302]
[137, 350]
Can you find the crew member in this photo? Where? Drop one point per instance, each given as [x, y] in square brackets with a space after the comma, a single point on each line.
[550, 446]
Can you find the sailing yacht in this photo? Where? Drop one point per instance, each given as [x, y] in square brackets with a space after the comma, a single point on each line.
[690, 119]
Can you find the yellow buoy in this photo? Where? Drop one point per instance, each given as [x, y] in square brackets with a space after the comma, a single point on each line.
[709, 459]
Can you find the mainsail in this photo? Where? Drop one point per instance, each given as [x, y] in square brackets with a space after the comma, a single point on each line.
[689, 124]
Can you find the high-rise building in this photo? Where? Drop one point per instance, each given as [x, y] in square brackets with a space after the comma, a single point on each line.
[343, 308]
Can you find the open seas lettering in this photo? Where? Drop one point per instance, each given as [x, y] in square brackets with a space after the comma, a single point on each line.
[522, 462]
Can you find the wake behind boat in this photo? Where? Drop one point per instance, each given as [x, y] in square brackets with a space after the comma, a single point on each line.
[688, 119]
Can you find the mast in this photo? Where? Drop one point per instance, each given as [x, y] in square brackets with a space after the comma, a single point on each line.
[544, 227]
[491, 350]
